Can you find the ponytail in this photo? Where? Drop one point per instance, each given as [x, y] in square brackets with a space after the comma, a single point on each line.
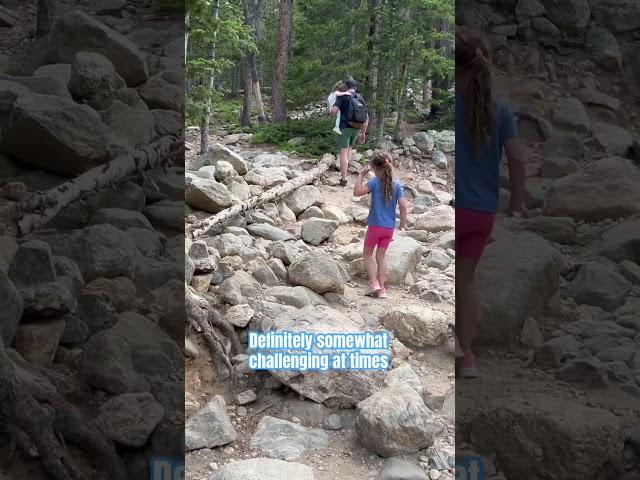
[381, 161]
[472, 56]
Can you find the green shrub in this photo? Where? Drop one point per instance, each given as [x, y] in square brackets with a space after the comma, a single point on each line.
[317, 132]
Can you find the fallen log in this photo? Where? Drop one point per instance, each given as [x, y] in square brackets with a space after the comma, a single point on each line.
[43, 207]
[202, 226]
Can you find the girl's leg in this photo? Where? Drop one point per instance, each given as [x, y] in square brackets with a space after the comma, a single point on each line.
[367, 256]
[381, 260]
[468, 309]
[337, 125]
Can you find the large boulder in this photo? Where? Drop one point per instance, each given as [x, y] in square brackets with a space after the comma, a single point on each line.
[263, 469]
[395, 421]
[595, 436]
[515, 278]
[32, 263]
[277, 438]
[333, 388]
[613, 139]
[208, 195]
[318, 272]
[403, 256]
[98, 250]
[599, 285]
[94, 79]
[210, 427]
[620, 242]
[130, 419]
[317, 230]
[611, 192]
[157, 93]
[78, 32]
[616, 15]
[569, 14]
[219, 152]
[269, 232]
[239, 288]
[439, 219]
[604, 48]
[303, 198]
[417, 326]
[71, 138]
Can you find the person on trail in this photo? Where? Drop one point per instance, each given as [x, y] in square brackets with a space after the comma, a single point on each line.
[484, 128]
[386, 193]
[354, 119]
[338, 90]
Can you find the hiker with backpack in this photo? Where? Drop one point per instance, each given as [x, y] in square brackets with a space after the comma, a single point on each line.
[354, 119]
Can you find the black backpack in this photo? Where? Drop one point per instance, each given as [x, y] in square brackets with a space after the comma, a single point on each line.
[357, 114]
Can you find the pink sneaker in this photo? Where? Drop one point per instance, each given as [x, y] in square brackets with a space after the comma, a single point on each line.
[372, 290]
[382, 294]
[468, 367]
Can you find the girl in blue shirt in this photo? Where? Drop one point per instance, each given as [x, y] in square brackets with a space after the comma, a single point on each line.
[386, 193]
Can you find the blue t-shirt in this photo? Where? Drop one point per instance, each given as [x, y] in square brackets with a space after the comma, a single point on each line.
[477, 177]
[383, 213]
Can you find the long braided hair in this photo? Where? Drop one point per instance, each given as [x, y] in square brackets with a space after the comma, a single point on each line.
[472, 58]
[381, 161]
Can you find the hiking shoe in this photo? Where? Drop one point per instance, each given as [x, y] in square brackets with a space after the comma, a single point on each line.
[372, 290]
[337, 130]
[382, 294]
[343, 182]
[468, 367]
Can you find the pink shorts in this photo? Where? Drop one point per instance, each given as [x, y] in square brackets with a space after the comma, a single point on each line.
[378, 237]
[473, 232]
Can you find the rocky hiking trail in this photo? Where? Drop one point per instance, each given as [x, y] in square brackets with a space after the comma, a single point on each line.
[560, 348]
[295, 264]
[91, 218]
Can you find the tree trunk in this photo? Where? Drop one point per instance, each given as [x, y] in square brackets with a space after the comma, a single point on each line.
[277, 94]
[252, 11]
[245, 121]
[206, 117]
[41, 208]
[45, 16]
[371, 60]
[201, 227]
[402, 100]
[187, 17]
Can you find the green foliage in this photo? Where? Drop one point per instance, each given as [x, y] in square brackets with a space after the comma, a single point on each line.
[172, 6]
[318, 134]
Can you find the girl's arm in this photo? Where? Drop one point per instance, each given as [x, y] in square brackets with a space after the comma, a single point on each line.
[338, 93]
[404, 209]
[515, 159]
[359, 188]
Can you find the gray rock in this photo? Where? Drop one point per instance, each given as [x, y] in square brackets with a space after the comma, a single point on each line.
[599, 285]
[204, 260]
[439, 159]
[603, 46]
[439, 219]
[8, 249]
[126, 196]
[239, 315]
[160, 94]
[239, 288]
[284, 440]
[38, 342]
[395, 421]
[94, 79]
[620, 242]
[246, 397]
[555, 229]
[47, 300]
[130, 418]
[556, 167]
[566, 196]
[121, 219]
[437, 259]
[210, 427]
[317, 230]
[105, 363]
[599, 99]
[631, 271]
[556, 351]
[317, 272]
[333, 388]
[135, 125]
[303, 198]
[530, 266]
[417, 326]
[229, 244]
[71, 137]
[311, 212]
[77, 32]
[403, 256]
[32, 263]
[288, 252]
[570, 14]
[43, 85]
[398, 469]
[613, 139]
[76, 332]
[266, 177]
[616, 15]
[269, 232]
[564, 145]
[404, 375]
[571, 114]
[208, 195]
[263, 469]
[332, 422]
[528, 9]
[298, 297]
[219, 152]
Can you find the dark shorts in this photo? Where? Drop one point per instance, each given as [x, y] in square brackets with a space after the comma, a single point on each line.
[348, 138]
[473, 232]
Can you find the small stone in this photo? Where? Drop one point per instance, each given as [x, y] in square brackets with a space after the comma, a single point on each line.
[241, 411]
[247, 397]
[333, 422]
